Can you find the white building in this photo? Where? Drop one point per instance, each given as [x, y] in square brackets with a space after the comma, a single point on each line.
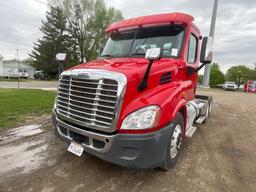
[8, 68]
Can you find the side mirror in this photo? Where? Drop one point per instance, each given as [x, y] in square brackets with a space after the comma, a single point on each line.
[205, 56]
[153, 54]
[206, 50]
[61, 57]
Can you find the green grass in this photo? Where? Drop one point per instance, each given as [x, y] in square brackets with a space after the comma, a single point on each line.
[16, 104]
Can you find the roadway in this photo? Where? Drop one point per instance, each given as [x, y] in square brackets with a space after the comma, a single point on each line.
[45, 85]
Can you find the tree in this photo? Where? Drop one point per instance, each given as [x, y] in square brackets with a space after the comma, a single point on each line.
[101, 17]
[74, 27]
[87, 21]
[28, 61]
[200, 79]
[216, 76]
[78, 13]
[239, 74]
[254, 71]
[55, 40]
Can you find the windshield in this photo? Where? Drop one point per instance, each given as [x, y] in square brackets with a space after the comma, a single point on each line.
[136, 42]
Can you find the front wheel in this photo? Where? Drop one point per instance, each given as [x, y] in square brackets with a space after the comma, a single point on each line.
[174, 144]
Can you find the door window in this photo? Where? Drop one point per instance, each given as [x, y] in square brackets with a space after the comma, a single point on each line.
[192, 49]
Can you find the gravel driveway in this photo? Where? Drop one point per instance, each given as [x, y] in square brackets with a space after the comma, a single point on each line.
[221, 156]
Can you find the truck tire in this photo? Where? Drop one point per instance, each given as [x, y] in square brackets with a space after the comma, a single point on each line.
[210, 104]
[174, 144]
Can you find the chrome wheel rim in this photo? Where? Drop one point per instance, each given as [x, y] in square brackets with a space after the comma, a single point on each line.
[207, 112]
[176, 141]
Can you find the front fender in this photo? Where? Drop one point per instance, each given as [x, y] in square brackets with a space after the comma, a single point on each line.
[169, 98]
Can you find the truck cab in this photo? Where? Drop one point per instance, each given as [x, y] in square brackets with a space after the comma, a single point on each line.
[135, 105]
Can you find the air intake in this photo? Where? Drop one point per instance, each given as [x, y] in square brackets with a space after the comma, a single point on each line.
[166, 78]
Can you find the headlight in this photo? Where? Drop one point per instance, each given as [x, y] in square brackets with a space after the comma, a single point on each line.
[144, 118]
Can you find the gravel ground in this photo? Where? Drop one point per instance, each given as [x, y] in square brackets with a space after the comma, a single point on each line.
[221, 156]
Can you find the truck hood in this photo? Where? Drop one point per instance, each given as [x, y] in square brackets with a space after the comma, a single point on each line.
[132, 68]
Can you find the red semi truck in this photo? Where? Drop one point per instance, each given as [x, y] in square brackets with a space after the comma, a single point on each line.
[250, 86]
[136, 104]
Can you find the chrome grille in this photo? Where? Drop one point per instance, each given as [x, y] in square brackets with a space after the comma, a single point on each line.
[87, 100]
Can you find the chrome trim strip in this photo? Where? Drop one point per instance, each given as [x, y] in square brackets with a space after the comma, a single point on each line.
[95, 74]
[90, 88]
[88, 98]
[98, 94]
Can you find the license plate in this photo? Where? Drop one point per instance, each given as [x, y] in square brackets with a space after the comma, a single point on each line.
[76, 149]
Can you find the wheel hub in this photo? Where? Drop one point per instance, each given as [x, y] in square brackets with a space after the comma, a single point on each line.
[176, 141]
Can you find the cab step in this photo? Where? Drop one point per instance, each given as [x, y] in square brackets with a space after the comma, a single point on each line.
[200, 120]
[190, 131]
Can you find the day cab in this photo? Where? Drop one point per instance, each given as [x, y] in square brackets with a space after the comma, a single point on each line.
[135, 105]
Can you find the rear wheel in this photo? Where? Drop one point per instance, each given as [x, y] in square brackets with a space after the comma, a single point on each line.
[210, 104]
[174, 144]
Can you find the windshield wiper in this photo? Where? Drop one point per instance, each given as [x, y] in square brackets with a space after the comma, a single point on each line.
[139, 48]
[133, 41]
[138, 53]
[106, 55]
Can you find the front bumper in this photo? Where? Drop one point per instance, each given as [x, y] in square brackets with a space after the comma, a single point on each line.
[140, 151]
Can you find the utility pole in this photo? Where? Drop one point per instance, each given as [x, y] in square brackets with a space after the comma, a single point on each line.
[207, 69]
[17, 50]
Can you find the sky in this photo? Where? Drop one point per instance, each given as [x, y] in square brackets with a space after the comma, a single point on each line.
[235, 34]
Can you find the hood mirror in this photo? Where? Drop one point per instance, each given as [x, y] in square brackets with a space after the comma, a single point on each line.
[61, 57]
[153, 54]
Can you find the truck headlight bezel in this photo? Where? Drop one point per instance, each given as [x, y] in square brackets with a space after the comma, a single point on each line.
[141, 119]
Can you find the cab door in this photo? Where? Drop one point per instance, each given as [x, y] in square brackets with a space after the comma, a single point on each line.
[192, 61]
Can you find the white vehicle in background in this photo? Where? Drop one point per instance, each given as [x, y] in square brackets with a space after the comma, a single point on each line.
[230, 86]
[14, 73]
[23, 74]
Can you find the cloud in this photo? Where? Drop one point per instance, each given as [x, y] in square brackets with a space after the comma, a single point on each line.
[235, 34]
[235, 40]
[19, 26]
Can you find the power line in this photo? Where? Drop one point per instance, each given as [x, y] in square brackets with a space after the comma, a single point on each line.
[41, 2]
[21, 12]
